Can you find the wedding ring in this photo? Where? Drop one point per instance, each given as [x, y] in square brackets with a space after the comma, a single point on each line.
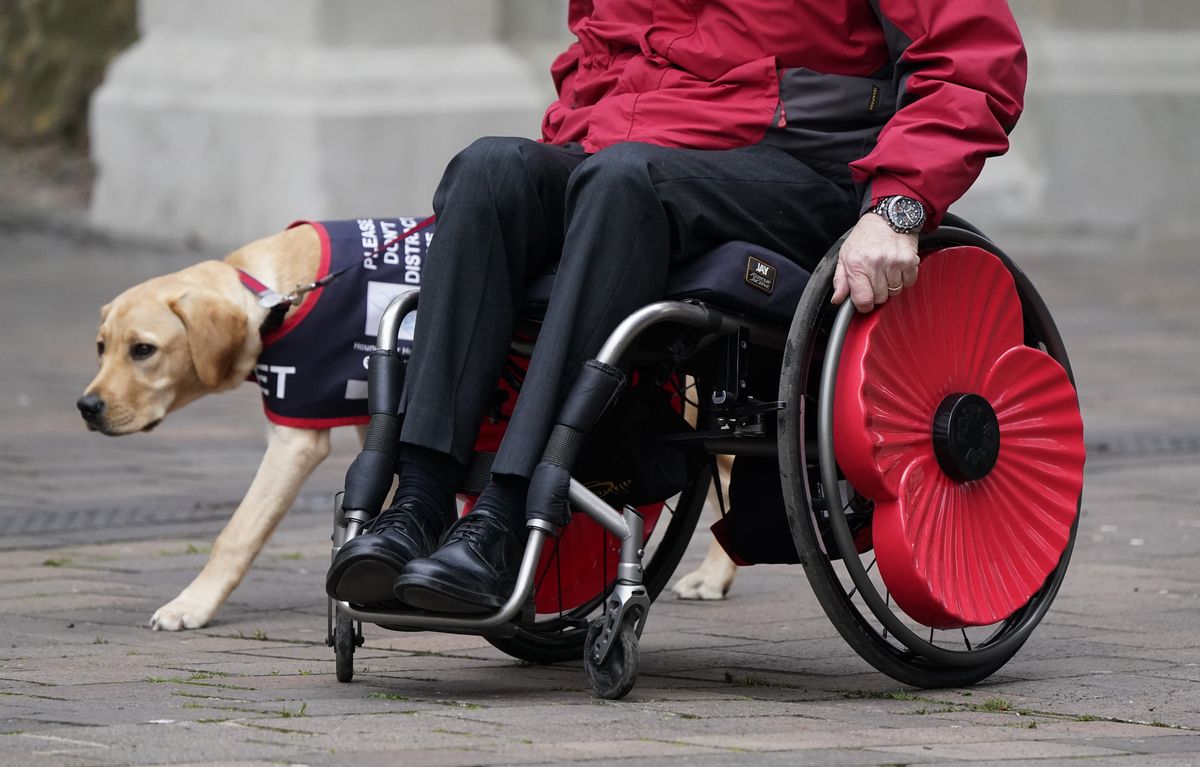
[895, 288]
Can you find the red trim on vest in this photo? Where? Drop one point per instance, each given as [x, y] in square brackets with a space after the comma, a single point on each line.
[314, 423]
[310, 299]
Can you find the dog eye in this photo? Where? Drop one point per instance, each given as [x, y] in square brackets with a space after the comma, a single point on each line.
[142, 351]
[99, 348]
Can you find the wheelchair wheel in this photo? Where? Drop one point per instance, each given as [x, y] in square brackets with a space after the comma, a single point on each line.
[345, 639]
[890, 618]
[564, 604]
[616, 676]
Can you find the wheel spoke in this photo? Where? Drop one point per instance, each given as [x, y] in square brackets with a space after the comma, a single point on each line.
[558, 566]
[854, 590]
[966, 640]
[887, 602]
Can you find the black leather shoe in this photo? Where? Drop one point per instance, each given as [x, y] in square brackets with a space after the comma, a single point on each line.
[474, 571]
[365, 569]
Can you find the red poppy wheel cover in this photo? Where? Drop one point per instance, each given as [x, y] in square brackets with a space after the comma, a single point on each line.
[969, 442]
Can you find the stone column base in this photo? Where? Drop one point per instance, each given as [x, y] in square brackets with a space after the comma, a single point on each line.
[225, 142]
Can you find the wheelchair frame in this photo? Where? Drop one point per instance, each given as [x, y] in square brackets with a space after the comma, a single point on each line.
[808, 470]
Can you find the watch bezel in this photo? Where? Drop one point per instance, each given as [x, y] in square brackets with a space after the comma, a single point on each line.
[904, 222]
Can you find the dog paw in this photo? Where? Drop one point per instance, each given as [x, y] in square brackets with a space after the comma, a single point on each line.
[704, 583]
[181, 613]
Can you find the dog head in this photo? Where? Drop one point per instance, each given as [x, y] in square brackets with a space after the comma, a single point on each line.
[161, 345]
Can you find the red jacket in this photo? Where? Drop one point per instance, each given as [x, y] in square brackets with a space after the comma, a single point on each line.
[906, 96]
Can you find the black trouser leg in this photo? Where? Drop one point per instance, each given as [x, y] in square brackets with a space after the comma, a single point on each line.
[500, 209]
[631, 211]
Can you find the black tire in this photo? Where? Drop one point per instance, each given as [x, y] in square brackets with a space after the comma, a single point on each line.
[344, 642]
[558, 638]
[910, 659]
[615, 677]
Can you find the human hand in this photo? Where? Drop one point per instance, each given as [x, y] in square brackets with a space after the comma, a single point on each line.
[875, 263]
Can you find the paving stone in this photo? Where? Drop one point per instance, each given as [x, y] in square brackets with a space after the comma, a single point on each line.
[1008, 749]
[1129, 760]
[83, 682]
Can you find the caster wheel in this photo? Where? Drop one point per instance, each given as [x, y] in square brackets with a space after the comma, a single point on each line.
[616, 676]
[344, 642]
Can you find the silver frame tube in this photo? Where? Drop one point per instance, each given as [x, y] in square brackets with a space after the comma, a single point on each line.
[625, 525]
[621, 339]
[589, 503]
[393, 316]
[484, 624]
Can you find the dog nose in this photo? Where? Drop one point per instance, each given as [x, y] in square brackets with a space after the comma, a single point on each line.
[90, 406]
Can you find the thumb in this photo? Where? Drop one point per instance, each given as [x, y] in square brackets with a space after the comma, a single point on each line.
[841, 287]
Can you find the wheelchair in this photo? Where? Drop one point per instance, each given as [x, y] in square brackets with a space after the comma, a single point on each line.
[930, 462]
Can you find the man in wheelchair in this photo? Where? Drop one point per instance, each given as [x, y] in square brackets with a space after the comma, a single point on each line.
[678, 127]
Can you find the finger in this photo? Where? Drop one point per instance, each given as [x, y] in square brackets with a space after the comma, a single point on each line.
[894, 274]
[901, 271]
[862, 292]
[840, 287]
[879, 286]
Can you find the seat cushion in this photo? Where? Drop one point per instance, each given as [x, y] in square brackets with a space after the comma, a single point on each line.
[744, 278]
[736, 276]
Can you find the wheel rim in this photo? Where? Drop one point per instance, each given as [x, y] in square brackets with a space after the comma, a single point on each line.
[877, 628]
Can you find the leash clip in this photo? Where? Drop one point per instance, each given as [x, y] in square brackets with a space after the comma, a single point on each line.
[300, 290]
[269, 299]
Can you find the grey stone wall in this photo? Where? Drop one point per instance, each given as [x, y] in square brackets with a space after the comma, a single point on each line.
[1109, 15]
[230, 118]
[1108, 142]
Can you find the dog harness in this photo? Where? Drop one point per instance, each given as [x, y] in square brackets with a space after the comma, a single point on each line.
[313, 367]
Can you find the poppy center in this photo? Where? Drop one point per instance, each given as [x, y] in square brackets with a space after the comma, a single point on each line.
[966, 437]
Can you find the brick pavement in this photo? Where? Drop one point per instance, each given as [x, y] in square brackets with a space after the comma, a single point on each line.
[98, 532]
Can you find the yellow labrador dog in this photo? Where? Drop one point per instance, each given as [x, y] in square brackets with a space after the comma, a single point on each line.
[173, 339]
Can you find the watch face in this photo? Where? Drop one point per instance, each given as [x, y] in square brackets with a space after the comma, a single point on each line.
[906, 214]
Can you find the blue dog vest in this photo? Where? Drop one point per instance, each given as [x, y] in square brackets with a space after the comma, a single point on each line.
[313, 369]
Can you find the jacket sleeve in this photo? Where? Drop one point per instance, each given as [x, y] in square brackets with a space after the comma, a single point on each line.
[959, 71]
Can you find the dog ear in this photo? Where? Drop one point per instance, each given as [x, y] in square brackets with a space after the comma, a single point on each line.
[216, 331]
[104, 312]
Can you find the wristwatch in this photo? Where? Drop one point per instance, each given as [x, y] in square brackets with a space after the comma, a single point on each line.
[904, 214]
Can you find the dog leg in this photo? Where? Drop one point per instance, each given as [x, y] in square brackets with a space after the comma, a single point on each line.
[291, 456]
[711, 580]
[714, 576]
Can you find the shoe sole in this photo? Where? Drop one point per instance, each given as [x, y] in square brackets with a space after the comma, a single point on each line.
[367, 577]
[435, 595]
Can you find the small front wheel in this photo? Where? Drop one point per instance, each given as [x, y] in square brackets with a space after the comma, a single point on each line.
[613, 678]
[344, 642]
